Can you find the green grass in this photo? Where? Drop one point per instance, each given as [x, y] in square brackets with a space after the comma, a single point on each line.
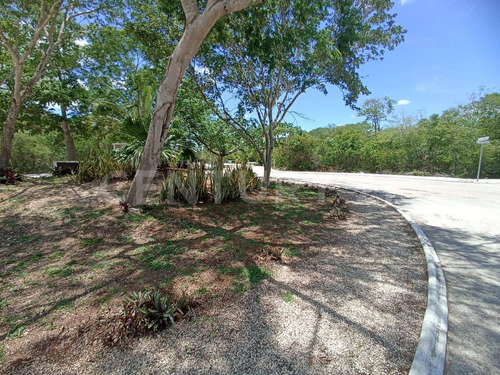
[287, 297]
[36, 257]
[59, 272]
[16, 330]
[65, 304]
[291, 252]
[256, 274]
[91, 241]
[27, 238]
[57, 255]
[245, 276]
[94, 214]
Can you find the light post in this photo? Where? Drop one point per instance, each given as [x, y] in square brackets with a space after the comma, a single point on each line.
[482, 141]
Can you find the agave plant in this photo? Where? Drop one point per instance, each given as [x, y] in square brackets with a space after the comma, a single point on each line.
[150, 311]
[190, 186]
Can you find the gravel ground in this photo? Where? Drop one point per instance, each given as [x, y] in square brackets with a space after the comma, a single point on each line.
[352, 305]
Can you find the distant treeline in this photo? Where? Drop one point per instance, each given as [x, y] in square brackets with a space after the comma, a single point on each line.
[443, 144]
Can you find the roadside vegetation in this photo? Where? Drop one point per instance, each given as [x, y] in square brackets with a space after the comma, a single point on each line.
[438, 145]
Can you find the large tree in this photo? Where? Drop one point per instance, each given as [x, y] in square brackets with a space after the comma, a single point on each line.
[199, 20]
[267, 57]
[31, 31]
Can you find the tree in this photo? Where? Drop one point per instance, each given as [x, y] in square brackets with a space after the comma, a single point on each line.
[31, 32]
[214, 135]
[268, 56]
[197, 25]
[377, 111]
[62, 86]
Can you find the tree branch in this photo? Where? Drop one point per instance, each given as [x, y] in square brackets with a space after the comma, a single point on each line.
[9, 47]
[42, 23]
[190, 9]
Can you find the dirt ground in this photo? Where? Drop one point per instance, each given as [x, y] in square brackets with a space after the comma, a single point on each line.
[276, 284]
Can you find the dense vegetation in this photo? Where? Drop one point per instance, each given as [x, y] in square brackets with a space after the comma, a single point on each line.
[441, 144]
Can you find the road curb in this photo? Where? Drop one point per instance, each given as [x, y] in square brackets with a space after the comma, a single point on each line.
[430, 355]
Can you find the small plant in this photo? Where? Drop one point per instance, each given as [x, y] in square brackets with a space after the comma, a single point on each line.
[287, 297]
[150, 311]
[125, 206]
[9, 176]
[340, 209]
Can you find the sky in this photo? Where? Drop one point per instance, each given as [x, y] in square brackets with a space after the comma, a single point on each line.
[451, 49]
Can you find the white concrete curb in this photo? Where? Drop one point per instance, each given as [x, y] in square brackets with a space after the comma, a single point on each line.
[431, 350]
[430, 356]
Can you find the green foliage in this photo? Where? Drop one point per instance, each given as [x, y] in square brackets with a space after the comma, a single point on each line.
[376, 111]
[59, 272]
[443, 144]
[265, 57]
[90, 242]
[296, 153]
[150, 311]
[99, 164]
[287, 297]
[35, 153]
[190, 187]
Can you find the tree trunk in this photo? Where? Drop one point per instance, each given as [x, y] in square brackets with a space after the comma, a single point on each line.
[218, 174]
[68, 137]
[267, 167]
[220, 163]
[196, 29]
[8, 133]
[162, 116]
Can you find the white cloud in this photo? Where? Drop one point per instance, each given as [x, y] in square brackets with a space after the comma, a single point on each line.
[202, 70]
[81, 42]
[403, 102]
[403, 2]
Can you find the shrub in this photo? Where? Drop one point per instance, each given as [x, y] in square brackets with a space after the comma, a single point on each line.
[150, 311]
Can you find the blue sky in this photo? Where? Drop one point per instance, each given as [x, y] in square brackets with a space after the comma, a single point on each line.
[451, 49]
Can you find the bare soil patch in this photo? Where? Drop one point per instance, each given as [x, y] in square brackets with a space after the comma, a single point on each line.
[279, 286]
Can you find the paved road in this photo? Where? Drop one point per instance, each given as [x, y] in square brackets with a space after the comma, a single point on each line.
[462, 220]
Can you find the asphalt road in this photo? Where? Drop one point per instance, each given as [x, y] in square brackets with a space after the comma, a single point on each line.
[462, 220]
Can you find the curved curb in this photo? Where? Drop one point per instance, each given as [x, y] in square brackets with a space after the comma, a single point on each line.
[430, 355]
[431, 350]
